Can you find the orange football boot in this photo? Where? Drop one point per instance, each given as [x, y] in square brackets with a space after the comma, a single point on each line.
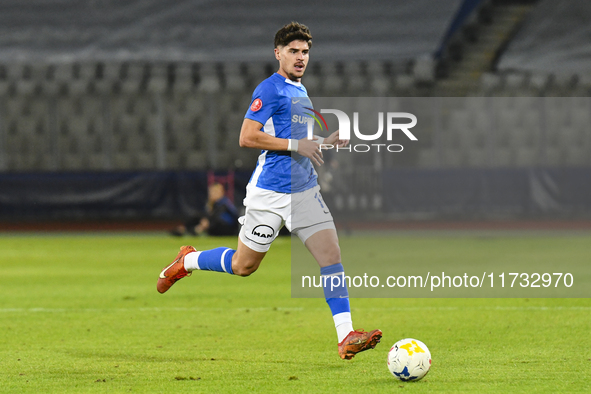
[175, 271]
[358, 341]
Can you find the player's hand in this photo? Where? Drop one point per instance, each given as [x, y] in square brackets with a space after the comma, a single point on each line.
[334, 140]
[311, 150]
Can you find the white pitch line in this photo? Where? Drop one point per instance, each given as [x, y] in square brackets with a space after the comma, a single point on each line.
[141, 309]
[488, 308]
[296, 309]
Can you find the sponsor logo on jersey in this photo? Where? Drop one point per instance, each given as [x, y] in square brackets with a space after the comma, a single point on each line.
[256, 105]
[300, 119]
[263, 231]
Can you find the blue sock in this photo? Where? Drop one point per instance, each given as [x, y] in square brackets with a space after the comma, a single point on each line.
[218, 259]
[335, 288]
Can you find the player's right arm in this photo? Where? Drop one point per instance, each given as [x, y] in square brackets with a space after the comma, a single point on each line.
[251, 136]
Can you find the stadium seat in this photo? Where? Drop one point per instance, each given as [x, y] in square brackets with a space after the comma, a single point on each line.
[142, 104]
[110, 76]
[313, 83]
[86, 70]
[158, 80]
[256, 72]
[355, 77]
[144, 161]
[183, 78]
[556, 117]
[482, 128]
[98, 161]
[453, 157]
[196, 159]
[333, 82]
[404, 83]
[379, 85]
[14, 71]
[581, 118]
[585, 80]
[459, 123]
[571, 137]
[5, 87]
[526, 157]
[565, 81]
[522, 137]
[209, 81]
[539, 82]
[124, 128]
[71, 161]
[312, 79]
[532, 124]
[503, 157]
[477, 157]
[428, 158]
[515, 81]
[122, 161]
[490, 82]
[78, 87]
[177, 129]
[132, 78]
[554, 156]
[376, 68]
[234, 77]
[424, 70]
[577, 156]
[26, 84]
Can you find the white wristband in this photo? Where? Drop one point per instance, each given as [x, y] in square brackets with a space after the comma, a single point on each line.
[292, 145]
[319, 140]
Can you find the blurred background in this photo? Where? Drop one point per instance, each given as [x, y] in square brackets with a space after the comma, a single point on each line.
[124, 111]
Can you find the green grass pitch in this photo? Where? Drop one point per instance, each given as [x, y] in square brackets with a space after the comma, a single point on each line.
[80, 314]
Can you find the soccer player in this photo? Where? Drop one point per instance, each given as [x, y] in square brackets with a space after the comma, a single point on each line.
[283, 190]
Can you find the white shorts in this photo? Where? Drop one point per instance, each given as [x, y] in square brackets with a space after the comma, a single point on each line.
[304, 214]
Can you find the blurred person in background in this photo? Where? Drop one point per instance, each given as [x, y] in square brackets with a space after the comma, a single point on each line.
[220, 217]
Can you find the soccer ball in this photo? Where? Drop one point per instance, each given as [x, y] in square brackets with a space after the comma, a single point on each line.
[409, 359]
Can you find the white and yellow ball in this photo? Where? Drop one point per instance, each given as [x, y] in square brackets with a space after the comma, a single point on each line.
[409, 359]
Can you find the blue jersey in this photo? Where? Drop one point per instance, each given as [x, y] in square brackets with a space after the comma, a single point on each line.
[282, 107]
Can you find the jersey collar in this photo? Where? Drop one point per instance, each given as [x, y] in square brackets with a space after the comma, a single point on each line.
[289, 81]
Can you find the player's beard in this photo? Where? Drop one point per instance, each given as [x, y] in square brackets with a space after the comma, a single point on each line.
[295, 77]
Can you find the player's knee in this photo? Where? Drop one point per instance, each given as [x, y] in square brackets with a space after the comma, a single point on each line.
[331, 255]
[332, 259]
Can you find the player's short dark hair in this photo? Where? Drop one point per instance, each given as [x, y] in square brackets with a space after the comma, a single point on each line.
[293, 31]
